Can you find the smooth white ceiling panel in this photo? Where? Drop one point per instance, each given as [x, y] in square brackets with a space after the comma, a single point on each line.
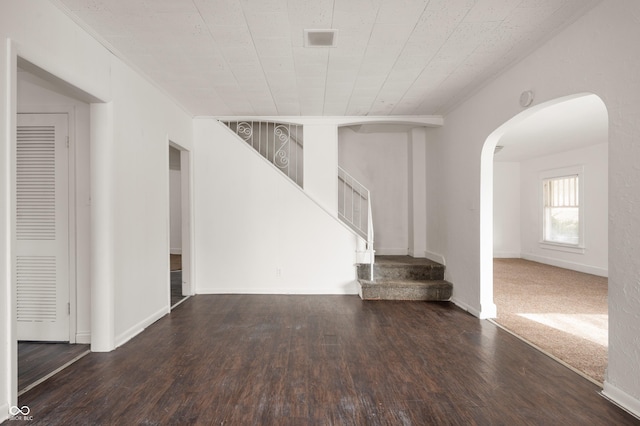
[245, 57]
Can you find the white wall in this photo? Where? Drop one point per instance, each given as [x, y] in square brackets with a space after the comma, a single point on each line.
[506, 209]
[258, 232]
[144, 122]
[321, 164]
[380, 161]
[517, 217]
[594, 260]
[595, 54]
[133, 172]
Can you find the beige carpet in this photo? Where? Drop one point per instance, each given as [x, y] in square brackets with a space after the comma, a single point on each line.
[563, 312]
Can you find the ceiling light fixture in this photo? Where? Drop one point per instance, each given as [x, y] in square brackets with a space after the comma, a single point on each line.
[320, 38]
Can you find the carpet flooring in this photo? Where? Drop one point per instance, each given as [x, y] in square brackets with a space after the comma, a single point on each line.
[563, 312]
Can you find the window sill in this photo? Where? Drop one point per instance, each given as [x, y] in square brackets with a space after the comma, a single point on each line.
[562, 247]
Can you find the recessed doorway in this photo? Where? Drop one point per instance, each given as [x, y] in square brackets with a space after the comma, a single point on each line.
[179, 225]
[52, 226]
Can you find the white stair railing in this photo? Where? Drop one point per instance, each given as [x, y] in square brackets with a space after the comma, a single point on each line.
[280, 143]
[354, 208]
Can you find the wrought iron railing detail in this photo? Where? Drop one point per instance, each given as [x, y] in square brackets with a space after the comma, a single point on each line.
[354, 208]
[280, 143]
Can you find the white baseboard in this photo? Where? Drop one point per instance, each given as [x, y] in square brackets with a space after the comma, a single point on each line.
[473, 311]
[346, 288]
[139, 328]
[414, 253]
[587, 269]
[392, 251]
[345, 291]
[506, 255]
[83, 338]
[482, 313]
[175, 251]
[621, 398]
[487, 312]
[435, 257]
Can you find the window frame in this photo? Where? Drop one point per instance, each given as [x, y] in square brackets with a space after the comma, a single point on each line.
[559, 174]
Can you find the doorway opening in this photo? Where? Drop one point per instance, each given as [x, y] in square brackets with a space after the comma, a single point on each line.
[547, 194]
[52, 226]
[179, 225]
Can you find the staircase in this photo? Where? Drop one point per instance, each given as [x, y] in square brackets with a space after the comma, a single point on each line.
[381, 277]
[282, 144]
[403, 278]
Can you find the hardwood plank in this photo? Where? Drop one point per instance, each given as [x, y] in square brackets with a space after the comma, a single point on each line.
[38, 359]
[260, 360]
[176, 287]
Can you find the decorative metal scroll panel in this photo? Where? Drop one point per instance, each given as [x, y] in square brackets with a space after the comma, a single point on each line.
[280, 143]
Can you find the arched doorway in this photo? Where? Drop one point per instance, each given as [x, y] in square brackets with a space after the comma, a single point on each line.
[563, 140]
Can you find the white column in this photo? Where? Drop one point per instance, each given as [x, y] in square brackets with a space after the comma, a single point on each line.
[321, 165]
[417, 192]
[102, 229]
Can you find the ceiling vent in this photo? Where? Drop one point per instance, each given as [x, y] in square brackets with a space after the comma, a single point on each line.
[320, 38]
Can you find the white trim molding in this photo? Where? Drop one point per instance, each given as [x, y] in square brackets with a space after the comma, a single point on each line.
[435, 257]
[506, 255]
[412, 120]
[622, 399]
[465, 307]
[132, 332]
[83, 338]
[587, 269]
[483, 313]
[392, 251]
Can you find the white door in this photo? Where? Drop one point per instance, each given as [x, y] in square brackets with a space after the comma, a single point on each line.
[42, 237]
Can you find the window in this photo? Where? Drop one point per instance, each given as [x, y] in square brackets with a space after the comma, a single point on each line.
[561, 201]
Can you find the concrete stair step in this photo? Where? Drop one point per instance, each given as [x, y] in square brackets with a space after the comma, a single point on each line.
[425, 290]
[403, 278]
[402, 268]
[399, 271]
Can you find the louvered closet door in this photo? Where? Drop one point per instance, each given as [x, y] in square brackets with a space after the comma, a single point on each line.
[42, 237]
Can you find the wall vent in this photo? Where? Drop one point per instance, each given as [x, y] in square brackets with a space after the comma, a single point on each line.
[320, 38]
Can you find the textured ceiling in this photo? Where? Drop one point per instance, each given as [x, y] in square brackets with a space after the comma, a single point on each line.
[393, 57]
[564, 126]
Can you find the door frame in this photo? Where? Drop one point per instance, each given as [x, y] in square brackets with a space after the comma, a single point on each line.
[186, 197]
[101, 283]
[69, 110]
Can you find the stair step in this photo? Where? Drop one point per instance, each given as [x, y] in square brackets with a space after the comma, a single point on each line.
[403, 278]
[429, 290]
[427, 270]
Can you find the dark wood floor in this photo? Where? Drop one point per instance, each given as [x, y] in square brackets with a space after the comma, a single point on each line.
[176, 287]
[36, 360]
[297, 360]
